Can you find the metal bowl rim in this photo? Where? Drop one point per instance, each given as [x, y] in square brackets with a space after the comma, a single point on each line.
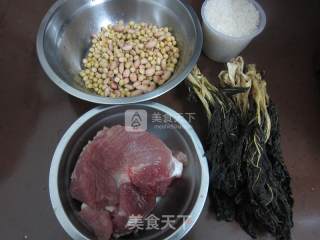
[172, 83]
[54, 169]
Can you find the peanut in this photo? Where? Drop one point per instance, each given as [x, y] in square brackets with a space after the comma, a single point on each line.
[128, 60]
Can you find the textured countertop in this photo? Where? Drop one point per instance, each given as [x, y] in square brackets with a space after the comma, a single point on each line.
[35, 114]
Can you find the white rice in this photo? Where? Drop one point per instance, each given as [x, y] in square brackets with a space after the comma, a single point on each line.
[235, 18]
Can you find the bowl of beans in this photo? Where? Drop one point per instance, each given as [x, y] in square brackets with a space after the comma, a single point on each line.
[119, 51]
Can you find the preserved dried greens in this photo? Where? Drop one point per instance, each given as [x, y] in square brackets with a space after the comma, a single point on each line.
[249, 180]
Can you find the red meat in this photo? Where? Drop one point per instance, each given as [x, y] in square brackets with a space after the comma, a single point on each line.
[122, 173]
[98, 221]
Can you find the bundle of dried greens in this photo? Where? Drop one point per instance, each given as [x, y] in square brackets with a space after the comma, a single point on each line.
[249, 181]
[223, 142]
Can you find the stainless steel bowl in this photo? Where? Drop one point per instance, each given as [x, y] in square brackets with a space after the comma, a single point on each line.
[186, 196]
[64, 38]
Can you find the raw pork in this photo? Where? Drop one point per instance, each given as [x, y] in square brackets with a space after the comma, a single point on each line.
[121, 173]
[97, 220]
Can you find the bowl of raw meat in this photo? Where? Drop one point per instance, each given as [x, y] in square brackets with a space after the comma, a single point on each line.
[129, 172]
